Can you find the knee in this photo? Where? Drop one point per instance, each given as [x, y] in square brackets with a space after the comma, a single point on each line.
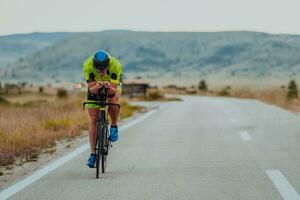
[114, 99]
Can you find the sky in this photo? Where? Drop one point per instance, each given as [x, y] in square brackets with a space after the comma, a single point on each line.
[271, 16]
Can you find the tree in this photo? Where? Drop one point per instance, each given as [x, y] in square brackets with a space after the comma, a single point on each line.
[41, 89]
[292, 90]
[202, 86]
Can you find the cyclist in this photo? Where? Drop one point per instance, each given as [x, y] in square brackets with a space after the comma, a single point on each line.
[102, 70]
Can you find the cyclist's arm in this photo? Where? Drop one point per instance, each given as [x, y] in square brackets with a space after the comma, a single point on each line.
[115, 77]
[94, 87]
[116, 72]
[111, 88]
[114, 82]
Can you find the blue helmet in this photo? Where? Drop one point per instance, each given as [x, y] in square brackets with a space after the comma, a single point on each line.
[101, 60]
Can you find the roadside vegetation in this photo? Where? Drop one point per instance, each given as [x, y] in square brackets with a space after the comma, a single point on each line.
[33, 121]
[285, 96]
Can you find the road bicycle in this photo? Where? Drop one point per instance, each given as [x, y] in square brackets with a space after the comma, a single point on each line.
[102, 143]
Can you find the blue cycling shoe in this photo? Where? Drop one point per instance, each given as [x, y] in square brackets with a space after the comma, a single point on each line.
[113, 136]
[91, 161]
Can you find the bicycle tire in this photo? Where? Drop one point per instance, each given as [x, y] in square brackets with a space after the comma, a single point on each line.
[98, 149]
[105, 148]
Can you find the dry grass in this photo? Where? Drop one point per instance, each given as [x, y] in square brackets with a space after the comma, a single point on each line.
[271, 95]
[127, 110]
[27, 128]
[275, 96]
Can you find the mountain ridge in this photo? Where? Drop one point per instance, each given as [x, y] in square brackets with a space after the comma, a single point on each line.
[235, 53]
[18, 46]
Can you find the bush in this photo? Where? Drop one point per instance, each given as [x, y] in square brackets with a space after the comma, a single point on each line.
[3, 101]
[155, 95]
[61, 93]
[292, 90]
[191, 92]
[41, 89]
[202, 86]
[225, 91]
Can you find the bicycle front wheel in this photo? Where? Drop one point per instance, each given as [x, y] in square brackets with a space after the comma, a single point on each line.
[105, 148]
[98, 149]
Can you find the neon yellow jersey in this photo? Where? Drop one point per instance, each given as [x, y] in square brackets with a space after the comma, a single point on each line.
[113, 74]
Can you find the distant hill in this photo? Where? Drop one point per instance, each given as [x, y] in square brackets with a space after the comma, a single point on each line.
[19, 46]
[233, 54]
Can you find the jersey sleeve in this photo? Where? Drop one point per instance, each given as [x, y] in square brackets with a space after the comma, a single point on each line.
[117, 72]
[88, 73]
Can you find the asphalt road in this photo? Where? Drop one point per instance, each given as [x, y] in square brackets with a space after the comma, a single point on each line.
[201, 148]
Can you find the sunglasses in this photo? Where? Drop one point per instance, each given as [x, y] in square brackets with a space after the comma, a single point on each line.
[100, 66]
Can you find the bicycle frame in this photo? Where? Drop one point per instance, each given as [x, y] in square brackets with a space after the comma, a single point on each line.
[101, 129]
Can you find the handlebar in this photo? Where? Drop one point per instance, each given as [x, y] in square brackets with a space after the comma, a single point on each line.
[100, 104]
[102, 95]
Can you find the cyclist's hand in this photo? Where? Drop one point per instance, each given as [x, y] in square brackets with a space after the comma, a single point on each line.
[107, 84]
[95, 88]
[100, 85]
[112, 89]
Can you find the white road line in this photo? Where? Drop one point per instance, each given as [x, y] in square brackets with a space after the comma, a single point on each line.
[283, 186]
[245, 136]
[44, 171]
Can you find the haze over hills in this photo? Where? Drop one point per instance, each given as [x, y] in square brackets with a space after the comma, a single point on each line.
[174, 54]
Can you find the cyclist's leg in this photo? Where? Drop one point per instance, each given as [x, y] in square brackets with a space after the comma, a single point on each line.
[93, 113]
[114, 110]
